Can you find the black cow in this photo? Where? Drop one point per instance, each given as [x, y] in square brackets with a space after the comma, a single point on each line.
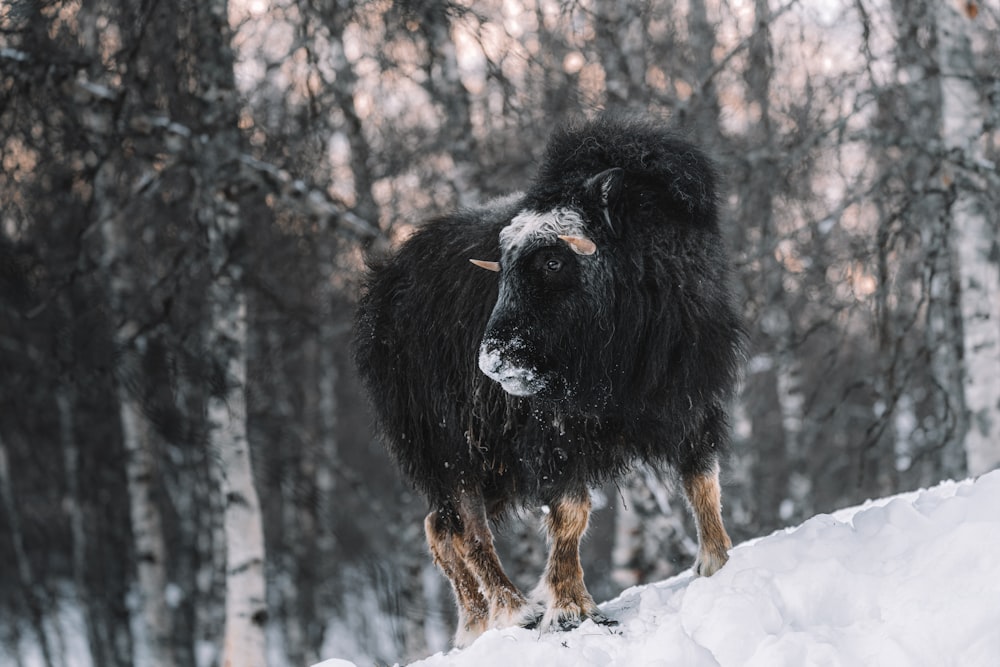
[603, 334]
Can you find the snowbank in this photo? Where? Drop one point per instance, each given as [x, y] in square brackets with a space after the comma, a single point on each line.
[909, 580]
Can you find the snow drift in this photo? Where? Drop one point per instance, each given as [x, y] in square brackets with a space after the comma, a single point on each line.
[913, 579]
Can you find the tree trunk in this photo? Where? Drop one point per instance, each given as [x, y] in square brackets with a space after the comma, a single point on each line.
[894, 449]
[774, 455]
[153, 632]
[22, 564]
[927, 200]
[65, 397]
[214, 110]
[412, 614]
[649, 535]
[246, 604]
[151, 622]
[101, 652]
[320, 542]
[943, 340]
[210, 575]
[444, 83]
[620, 38]
[975, 242]
[701, 111]
[226, 337]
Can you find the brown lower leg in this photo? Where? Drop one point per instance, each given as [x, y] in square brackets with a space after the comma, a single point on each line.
[705, 497]
[473, 610]
[475, 546]
[562, 583]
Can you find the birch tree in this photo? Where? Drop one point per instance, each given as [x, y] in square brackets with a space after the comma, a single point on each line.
[207, 34]
[152, 625]
[928, 203]
[975, 231]
[246, 611]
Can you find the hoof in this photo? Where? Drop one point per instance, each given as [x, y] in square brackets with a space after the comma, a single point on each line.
[572, 621]
[567, 623]
[710, 563]
[565, 619]
[534, 620]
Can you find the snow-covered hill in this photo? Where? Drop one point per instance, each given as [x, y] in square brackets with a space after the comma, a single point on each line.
[909, 580]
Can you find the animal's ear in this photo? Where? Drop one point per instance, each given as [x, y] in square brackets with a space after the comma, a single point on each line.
[606, 188]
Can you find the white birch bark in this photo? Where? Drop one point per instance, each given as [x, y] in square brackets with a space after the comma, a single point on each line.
[151, 622]
[218, 212]
[246, 603]
[244, 644]
[152, 627]
[975, 237]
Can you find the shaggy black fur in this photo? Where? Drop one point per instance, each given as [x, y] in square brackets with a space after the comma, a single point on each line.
[647, 348]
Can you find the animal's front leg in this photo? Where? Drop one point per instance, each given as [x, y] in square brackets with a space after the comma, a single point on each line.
[507, 604]
[705, 497]
[473, 609]
[561, 591]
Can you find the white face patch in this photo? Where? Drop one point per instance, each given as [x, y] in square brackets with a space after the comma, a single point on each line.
[529, 227]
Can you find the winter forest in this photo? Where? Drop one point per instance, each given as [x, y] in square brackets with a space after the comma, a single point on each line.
[188, 189]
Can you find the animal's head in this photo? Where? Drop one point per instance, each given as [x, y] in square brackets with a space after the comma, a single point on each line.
[555, 290]
[613, 278]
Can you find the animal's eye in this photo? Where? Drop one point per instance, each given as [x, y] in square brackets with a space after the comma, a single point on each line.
[553, 265]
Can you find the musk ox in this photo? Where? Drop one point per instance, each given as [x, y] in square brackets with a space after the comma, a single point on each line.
[603, 334]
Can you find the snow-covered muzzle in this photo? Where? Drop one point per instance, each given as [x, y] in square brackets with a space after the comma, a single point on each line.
[504, 361]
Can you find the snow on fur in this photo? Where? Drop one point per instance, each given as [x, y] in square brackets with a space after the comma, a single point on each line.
[913, 579]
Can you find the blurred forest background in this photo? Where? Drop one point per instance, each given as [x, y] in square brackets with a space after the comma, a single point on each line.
[187, 191]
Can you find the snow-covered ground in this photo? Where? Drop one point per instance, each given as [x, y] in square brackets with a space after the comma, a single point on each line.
[909, 580]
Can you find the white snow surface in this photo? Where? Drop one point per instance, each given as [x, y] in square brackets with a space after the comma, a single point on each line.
[909, 580]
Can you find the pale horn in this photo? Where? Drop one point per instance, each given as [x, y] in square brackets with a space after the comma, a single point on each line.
[581, 245]
[489, 266]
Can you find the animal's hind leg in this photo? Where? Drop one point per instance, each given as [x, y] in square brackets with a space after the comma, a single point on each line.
[473, 610]
[562, 591]
[475, 545]
[705, 497]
